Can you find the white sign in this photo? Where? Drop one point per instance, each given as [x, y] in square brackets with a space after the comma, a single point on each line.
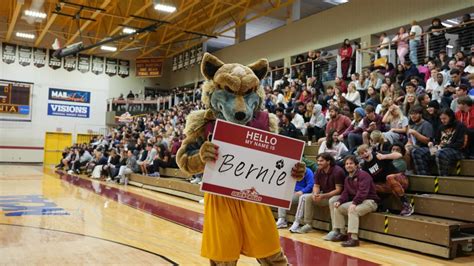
[253, 165]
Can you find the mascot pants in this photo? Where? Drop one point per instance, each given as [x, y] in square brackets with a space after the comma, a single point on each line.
[233, 227]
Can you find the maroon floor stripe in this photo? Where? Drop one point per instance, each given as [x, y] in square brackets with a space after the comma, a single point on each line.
[298, 253]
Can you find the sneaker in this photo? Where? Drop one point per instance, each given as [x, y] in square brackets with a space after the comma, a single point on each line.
[350, 243]
[294, 227]
[70, 172]
[407, 209]
[281, 223]
[304, 229]
[108, 179]
[201, 201]
[196, 180]
[339, 238]
[155, 174]
[330, 236]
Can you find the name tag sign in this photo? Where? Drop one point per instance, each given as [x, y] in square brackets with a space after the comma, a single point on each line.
[253, 165]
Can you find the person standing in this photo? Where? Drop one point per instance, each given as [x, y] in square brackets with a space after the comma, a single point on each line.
[345, 52]
[357, 199]
[415, 40]
[402, 45]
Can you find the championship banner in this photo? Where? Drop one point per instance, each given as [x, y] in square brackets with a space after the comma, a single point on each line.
[186, 59]
[8, 53]
[39, 57]
[54, 62]
[25, 55]
[193, 52]
[175, 63]
[111, 66]
[70, 62]
[123, 68]
[149, 67]
[69, 95]
[180, 61]
[97, 65]
[253, 165]
[84, 62]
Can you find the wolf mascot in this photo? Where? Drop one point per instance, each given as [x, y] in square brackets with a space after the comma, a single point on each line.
[232, 227]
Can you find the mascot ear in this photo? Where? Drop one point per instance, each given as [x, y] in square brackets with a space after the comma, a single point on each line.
[260, 68]
[209, 65]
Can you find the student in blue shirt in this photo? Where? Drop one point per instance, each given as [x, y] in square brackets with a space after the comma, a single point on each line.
[305, 186]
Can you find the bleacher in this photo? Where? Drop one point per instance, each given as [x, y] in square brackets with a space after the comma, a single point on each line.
[442, 224]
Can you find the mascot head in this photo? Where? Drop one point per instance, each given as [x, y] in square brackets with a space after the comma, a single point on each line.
[233, 91]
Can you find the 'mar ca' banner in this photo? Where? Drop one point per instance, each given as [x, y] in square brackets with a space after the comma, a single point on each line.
[253, 165]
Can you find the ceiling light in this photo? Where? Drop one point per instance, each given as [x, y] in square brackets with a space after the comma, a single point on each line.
[449, 46]
[452, 21]
[128, 30]
[108, 48]
[446, 25]
[25, 35]
[336, 2]
[35, 14]
[165, 8]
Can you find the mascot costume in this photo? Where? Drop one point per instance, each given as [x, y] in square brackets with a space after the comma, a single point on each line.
[232, 92]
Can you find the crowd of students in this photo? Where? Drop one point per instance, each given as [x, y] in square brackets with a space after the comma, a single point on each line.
[372, 129]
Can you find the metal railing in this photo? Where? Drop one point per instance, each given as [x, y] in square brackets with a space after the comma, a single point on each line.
[397, 52]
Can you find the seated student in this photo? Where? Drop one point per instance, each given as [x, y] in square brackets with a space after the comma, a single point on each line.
[357, 199]
[446, 148]
[378, 142]
[302, 187]
[400, 164]
[149, 158]
[113, 164]
[316, 123]
[95, 166]
[398, 124]
[419, 134]
[465, 115]
[130, 167]
[162, 160]
[328, 182]
[387, 178]
[371, 122]
[333, 146]
[82, 157]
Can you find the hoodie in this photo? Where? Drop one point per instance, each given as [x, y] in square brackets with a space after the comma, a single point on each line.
[317, 119]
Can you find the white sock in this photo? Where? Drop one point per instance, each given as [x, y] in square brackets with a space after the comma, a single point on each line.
[295, 225]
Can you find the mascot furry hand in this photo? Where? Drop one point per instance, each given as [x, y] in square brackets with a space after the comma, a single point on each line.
[232, 227]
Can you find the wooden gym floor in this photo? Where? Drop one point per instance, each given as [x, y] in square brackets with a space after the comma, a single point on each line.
[50, 219]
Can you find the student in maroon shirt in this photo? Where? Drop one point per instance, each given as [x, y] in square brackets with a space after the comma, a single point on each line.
[357, 199]
[328, 181]
[337, 121]
[345, 52]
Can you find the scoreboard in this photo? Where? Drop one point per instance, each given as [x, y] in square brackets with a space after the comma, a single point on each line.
[15, 100]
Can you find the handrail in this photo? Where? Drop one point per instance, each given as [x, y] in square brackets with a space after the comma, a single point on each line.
[422, 35]
[302, 63]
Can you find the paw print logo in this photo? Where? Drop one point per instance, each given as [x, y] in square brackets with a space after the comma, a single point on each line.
[279, 164]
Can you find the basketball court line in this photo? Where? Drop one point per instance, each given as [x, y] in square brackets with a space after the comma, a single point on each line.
[299, 253]
[92, 237]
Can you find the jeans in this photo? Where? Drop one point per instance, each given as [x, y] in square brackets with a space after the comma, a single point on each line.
[413, 51]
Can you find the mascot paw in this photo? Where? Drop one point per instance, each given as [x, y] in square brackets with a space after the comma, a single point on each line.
[298, 171]
[209, 152]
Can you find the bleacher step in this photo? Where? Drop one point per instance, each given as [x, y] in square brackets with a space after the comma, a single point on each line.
[449, 185]
[444, 206]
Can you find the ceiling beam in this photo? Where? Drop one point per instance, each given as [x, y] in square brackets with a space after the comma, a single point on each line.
[266, 12]
[18, 6]
[86, 24]
[52, 18]
[147, 4]
[167, 18]
[194, 27]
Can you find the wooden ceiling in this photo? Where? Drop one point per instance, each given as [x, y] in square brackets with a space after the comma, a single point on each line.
[201, 16]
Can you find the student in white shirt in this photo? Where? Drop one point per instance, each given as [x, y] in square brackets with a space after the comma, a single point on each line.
[435, 85]
[352, 94]
[415, 39]
[383, 45]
